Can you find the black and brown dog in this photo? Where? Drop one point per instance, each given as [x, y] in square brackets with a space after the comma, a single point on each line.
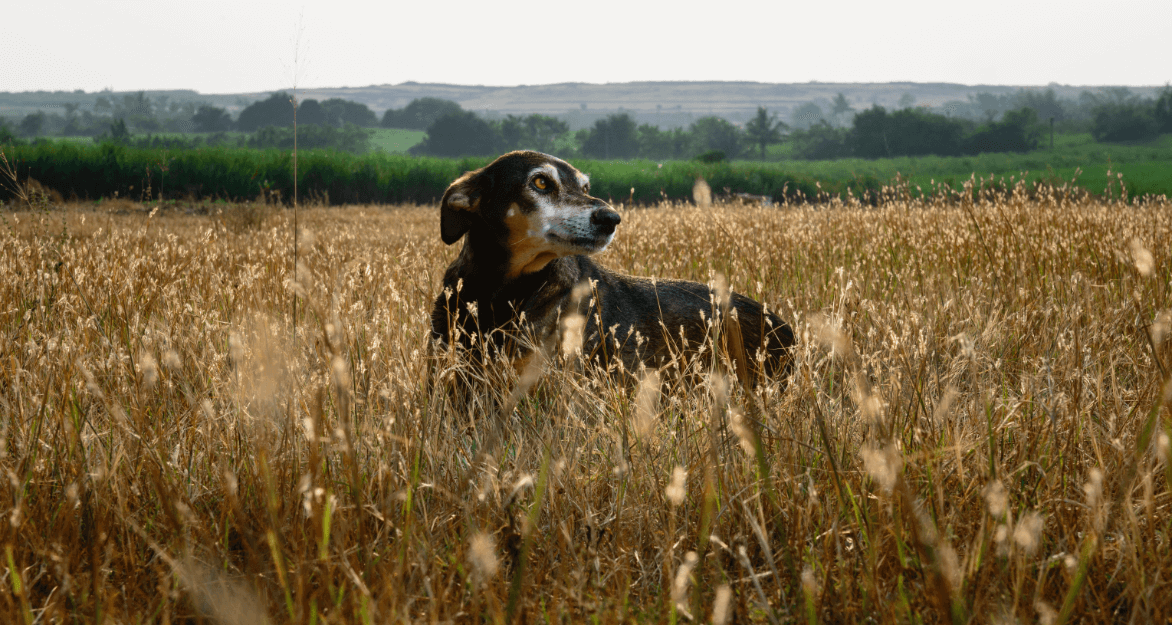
[529, 224]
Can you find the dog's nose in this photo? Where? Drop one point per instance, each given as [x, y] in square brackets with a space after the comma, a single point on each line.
[605, 219]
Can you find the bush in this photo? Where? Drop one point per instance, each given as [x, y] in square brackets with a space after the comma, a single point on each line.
[1124, 121]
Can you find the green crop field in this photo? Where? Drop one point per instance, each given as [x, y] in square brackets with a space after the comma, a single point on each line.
[80, 168]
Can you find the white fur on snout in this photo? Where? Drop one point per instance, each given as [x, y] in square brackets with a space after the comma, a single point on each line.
[567, 226]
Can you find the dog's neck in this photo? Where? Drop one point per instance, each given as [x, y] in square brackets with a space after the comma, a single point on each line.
[483, 265]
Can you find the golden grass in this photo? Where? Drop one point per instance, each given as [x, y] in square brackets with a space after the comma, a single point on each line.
[976, 428]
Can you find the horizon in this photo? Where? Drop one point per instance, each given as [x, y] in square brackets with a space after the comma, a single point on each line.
[1050, 84]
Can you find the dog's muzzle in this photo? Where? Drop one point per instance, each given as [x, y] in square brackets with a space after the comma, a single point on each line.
[604, 220]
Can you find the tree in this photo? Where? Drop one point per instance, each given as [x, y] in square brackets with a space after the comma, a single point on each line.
[764, 129]
[277, 110]
[209, 118]
[118, 133]
[656, 143]
[908, 132]
[1163, 111]
[1018, 131]
[534, 132]
[822, 142]
[840, 107]
[1045, 104]
[614, 136]
[32, 124]
[6, 134]
[420, 114]
[906, 101]
[459, 134]
[311, 112]
[1124, 121]
[717, 134]
[340, 112]
[807, 115]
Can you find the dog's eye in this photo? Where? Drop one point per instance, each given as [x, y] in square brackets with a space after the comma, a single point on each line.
[541, 183]
[586, 188]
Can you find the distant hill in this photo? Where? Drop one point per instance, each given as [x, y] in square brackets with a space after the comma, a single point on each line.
[661, 103]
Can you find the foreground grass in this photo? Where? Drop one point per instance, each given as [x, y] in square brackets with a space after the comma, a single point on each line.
[976, 427]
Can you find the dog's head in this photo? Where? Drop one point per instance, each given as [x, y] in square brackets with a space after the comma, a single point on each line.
[537, 206]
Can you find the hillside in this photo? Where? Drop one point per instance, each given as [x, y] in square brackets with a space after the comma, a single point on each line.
[661, 103]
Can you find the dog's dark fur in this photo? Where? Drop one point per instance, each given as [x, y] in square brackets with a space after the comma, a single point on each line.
[528, 223]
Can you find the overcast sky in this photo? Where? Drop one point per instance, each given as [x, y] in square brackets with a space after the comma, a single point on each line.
[214, 46]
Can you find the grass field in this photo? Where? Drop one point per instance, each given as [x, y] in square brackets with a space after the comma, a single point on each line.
[395, 140]
[976, 429]
[1144, 166]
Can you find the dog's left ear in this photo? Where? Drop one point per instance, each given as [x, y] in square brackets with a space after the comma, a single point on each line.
[459, 207]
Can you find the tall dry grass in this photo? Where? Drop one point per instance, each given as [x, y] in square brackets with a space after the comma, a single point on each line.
[976, 428]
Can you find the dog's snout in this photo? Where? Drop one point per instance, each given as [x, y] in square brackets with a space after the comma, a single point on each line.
[605, 220]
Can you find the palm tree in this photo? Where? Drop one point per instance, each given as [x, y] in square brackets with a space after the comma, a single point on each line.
[841, 106]
[764, 129]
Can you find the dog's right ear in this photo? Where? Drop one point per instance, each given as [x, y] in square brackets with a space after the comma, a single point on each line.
[459, 207]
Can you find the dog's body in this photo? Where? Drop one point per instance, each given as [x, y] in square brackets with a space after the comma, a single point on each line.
[529, 223]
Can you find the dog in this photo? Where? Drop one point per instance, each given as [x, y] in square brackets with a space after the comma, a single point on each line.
[529, 226]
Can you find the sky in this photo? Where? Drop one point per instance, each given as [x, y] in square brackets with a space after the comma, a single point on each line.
[213, 46]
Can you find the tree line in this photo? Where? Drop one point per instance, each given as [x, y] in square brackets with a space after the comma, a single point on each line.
[1114, 115]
